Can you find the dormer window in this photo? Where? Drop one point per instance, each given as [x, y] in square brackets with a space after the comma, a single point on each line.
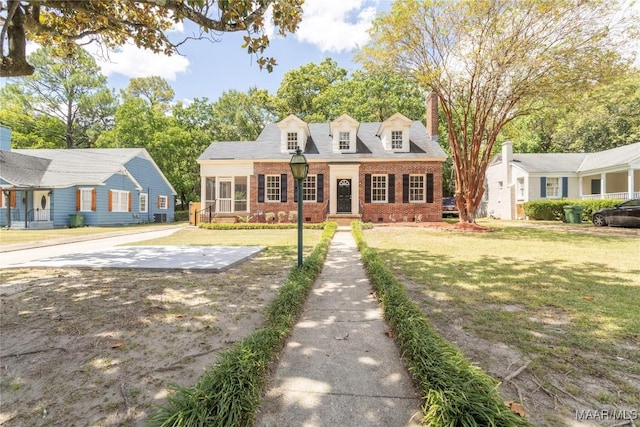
[292, 141]
[293, 134]
[343, 134]
[344, 141]
[394, 134]
[396, 140]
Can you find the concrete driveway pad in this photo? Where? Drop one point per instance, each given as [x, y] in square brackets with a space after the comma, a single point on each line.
[197, 258]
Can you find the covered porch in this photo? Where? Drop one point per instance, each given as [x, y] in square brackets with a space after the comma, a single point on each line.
[621, 184]
[26, 208]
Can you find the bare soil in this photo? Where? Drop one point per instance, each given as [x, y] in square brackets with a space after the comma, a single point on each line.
[98, 347]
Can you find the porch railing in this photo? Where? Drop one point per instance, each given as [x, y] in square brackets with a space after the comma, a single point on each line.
[622, 195]
[39, 215]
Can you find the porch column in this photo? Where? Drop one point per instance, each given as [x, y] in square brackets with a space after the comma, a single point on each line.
[630, 184]
[603, 185]
[580, 193]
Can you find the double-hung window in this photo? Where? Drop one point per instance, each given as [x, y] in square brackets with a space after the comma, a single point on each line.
[272, 188]
[396, 139]
[520, 188]
[86, 199]
[553, 187]
[163, 202]
[379, 188]
[309, 189]
[344, 141]
[144, 203]
[416, 188]
[119, 201]
[292, 141]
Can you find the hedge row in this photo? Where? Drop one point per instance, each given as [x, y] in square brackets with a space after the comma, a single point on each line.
[258, 226]
[228, 394]
[553, 210]
[455, 393]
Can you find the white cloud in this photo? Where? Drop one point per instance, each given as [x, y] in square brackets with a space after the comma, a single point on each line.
[131, 61]
[336, 25]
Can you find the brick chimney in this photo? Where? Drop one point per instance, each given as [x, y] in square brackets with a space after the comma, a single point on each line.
[432, 115]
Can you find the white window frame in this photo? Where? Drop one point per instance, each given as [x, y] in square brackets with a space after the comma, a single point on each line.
[344, 141]
[553, 191]
[119, 201]
[83, 203]
[310, 189]
[292, 141]
[272, 188]
[143, 206]
[417, 187]
[163, 201]
[520, 188]
[379, 188]
[396, 140]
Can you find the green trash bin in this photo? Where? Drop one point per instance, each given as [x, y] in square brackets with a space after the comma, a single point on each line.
[76, 220]
[573, 214]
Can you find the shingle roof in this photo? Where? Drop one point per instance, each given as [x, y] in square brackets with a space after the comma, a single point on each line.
[624, 155]
[79, 167]
[549, 162]
[21, 170]
[369, 146]
[576, 162]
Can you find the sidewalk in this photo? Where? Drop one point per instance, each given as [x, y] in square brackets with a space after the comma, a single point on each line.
[339, 368]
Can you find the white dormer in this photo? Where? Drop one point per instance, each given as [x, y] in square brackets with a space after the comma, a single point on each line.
[344, 131]
[293, 134]
[394, 133]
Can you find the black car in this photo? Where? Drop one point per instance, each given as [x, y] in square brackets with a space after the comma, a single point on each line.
[449, 207]
[626, 214]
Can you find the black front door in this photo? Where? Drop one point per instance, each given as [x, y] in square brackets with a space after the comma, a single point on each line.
[344, 196]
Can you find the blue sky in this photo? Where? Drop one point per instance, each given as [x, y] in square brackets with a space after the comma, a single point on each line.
[330, 28]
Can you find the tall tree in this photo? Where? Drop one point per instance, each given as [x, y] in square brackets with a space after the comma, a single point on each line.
[239, 116]
[112, 22]
[71, 89]
[300, 87]
[154, 90]
[485, 58]
[370, 97]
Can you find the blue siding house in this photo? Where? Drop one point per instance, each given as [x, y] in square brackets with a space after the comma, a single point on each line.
[53, 188]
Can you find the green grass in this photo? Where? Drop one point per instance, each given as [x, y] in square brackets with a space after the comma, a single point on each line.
[566, 300]
[10, 237]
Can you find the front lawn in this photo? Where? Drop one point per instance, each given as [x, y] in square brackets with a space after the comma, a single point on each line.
[562, 303]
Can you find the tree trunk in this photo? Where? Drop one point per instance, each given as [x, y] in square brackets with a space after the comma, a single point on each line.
[15, 63]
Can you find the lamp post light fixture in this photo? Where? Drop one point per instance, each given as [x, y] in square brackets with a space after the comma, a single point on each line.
[299, 169]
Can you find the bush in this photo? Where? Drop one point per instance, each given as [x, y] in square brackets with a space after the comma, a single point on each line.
[181, 216]
[455, 392]
[553, 210]
[228, 394]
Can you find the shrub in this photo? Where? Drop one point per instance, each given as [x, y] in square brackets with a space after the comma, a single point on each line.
[553, 210]
[455, 392]
[228, 394]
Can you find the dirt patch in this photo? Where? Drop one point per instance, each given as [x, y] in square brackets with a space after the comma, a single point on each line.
[98, 347]
[573, 398]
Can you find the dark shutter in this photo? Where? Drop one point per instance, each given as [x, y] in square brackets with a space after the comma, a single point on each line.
[295, 190]
[320, 187]
[367, 188]
[429, 188]
[261, 188]
[405, 188]
[392, 189]
[283, 187]
[565, 186]
[543, 186]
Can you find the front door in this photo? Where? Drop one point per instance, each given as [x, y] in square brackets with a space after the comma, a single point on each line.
[225, 197]
[41, 205]
[344, 196]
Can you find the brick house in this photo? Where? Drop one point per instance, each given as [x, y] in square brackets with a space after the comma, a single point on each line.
[388, 171]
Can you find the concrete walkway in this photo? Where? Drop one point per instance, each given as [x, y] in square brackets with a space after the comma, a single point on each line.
[339, 367]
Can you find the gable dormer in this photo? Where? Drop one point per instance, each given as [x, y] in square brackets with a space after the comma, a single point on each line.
[293, 134]
[344, 131]
[394, 133]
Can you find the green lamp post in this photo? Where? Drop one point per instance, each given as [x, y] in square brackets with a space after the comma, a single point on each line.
[299, 169]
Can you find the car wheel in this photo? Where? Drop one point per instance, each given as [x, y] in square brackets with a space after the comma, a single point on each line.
[598, 220]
